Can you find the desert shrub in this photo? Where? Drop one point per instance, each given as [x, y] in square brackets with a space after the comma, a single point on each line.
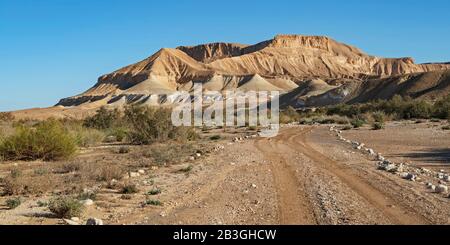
[289, 115]
[87, 195]
[118, 133]
[168, 154]
[153, 202]
[12, 186]
[184, 134]
[86, 137]
[6, 117]
[48, 141]
[215, 137]
[418, 109]
[149, 125]
[13, 203]
[441, 108]
[129, 189]
[186, 169]
[41, 171]
[162, 155]
[154, 192]
[446, 128]
[25, 185]
[103, 119]
[123, 150]
[346, 128]
[109, 172]
[379, 116]
[15, 173]
[65, 207]
[357, 123]
[377, 126]
[68, 167]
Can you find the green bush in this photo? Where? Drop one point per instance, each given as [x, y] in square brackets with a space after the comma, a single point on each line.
[377, 126]
[154, 192]
[48, 141]
[103, 119]
[13, 203]
[153, 202]
[379, 116]
[441, 108]
[357, 123]
[289, 115]
[65, 207]
[86, 137]
[150, 125]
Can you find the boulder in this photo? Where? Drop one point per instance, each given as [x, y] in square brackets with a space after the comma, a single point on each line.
[87, 202]
[94, 221]
[441, 189]
[409, 176]
[70, 222]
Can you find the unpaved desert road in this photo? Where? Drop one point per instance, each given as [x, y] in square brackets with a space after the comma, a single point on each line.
[302, 176]
[293, 204]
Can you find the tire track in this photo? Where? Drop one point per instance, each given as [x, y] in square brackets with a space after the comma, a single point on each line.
[293, 205]
[381, 201]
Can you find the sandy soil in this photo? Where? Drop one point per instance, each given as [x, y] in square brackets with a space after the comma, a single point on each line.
[303, 176]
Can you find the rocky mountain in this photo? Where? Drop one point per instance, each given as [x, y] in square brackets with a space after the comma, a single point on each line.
[307, 70]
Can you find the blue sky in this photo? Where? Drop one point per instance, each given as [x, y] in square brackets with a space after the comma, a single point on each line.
[50, 49]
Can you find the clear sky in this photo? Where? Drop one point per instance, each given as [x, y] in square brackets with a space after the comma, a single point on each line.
[50, 49]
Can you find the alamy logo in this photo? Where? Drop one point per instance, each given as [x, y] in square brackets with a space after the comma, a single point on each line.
[229, 109]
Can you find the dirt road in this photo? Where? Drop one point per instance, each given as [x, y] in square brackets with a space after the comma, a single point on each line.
[302, 176]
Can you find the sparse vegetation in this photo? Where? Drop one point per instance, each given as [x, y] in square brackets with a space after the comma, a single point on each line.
[215, 137]
[129, 189]
[103, 119]
[65, 207]
[153, 202]
[123, 150]
[187, 169]
[357, 123]
[397, 107]
[13, 203]
[150, 125]
[289, 115]
[154, 191]
[377, 126]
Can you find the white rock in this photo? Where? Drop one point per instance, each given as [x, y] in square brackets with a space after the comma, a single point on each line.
[70, 222]
[134, 174]
[94, 221]
[75, 219]
[441, 189]
[370, 151]
[253, 186]
[409, 176]
[447, 178]
[87, 202]
[141, 171]
[113, 182]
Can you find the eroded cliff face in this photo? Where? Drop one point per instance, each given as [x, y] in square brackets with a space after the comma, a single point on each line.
[282, 64]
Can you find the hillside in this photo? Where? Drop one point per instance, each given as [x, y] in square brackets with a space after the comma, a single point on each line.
[308, 70]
